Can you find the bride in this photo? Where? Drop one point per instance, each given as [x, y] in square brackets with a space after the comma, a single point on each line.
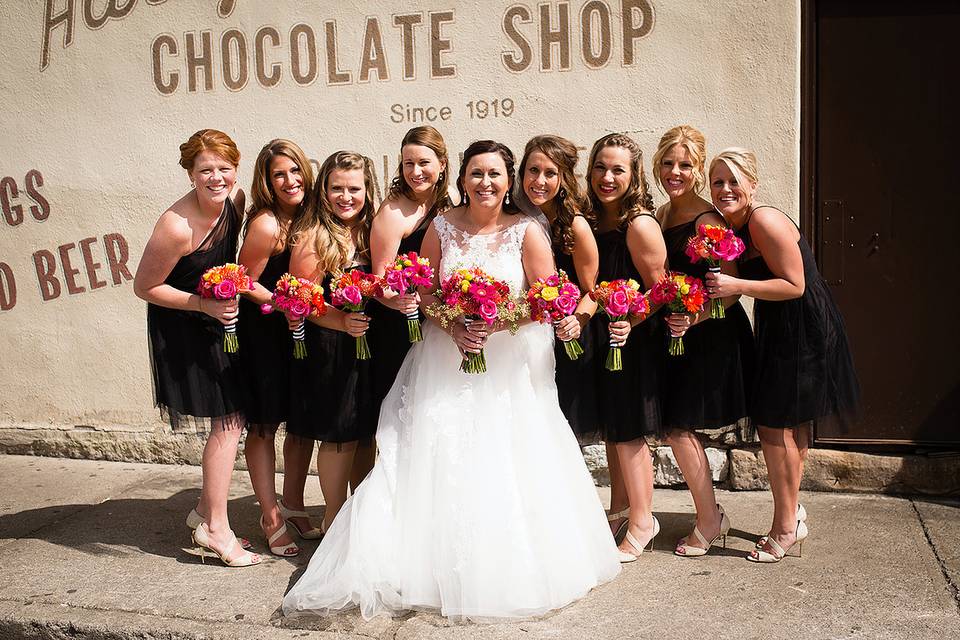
[480, 505]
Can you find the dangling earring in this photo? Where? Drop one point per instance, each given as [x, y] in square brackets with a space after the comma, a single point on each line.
[440, 177]
[506, 200]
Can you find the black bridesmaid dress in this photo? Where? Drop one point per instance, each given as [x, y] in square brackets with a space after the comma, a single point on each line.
[390, 342]
[576, 382]
[708, 386]
[629, 400]
[331, 394]
[804, 368]
[266, 351]
[194, 381]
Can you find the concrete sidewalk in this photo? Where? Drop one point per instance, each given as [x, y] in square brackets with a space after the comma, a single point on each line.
[93, 549]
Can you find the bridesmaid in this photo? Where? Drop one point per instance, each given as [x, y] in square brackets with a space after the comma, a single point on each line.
[804, 368]
[417, 194]
[630, 246]
[332, 392]
[196, 385]
[549, 183]
[708, 384]
[282, 180]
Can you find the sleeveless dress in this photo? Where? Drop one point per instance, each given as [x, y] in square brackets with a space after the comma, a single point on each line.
[266, 353]
[392, 341]
[708, 386]
[480, 505]
[194, 381]
[629, 400]
[804, 368]
[576, 384]
[332, 391]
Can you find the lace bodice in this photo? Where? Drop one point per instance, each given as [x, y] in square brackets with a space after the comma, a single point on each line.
[498, 253]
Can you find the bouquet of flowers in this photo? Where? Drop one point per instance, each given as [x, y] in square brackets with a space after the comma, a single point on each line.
[714, 243]
[552, 299]
[351, 291]
[299, 298]
[408, 272]
[681, 294]
[223, 283]
[619, 300]
[471, 294]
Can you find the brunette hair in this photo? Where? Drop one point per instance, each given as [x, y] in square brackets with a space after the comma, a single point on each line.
[425, 136]
[262, 195]
[571, 200]
[208, 140]
[637, 198]
[480, 147]
[691, 139]
[332, 240]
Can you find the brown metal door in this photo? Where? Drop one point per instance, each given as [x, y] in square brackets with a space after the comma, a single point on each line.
[887, 168]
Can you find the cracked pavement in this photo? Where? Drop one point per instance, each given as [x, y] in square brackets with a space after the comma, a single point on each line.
[94, 549]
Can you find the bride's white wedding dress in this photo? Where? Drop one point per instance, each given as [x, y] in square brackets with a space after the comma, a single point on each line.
[480, 505]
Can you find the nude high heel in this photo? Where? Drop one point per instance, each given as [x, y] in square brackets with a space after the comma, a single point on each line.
[194, 520]
[201, 538]
[314, 533]
[284, 551]
[801, 517]
[696, 552]
[629, 557]
[778, 553]
[612, 517]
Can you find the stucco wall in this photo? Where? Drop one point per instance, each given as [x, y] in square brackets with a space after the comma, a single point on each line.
[92, 121]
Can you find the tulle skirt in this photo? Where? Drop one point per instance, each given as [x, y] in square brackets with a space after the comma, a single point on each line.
[480, 505]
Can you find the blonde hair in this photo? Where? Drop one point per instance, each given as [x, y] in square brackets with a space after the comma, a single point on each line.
[425, 136]
[741, 162]
[208, 140]
[262, 195]
[637, 197]
[332, 238]
[571, 200]
[691, 139]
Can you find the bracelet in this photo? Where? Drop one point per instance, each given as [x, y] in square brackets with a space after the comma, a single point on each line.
[200, 303]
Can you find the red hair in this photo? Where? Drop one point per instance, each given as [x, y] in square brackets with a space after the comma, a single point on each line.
[208, 140]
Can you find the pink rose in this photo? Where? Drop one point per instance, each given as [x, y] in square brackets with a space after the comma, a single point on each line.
[488, 311]
[617, 303]
[724, 249]
[566, 304]
[570, 289]
[397, 281]
[266, 308]
[553, 280]
[225, 290]
[300, 309]
[351, 293]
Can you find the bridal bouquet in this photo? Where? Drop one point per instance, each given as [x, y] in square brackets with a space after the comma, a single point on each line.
[714, 243]
[408, 272]
[552, 299]
[223, 283]
[351, 291]
[471, 294]
[620, 299]
[681, 294]
[298, 298]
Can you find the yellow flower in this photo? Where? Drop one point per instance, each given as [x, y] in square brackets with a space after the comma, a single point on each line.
[464, 286]
[633, 284]
[407, 263]
[604, 284]
[685, 289]
[549, 293]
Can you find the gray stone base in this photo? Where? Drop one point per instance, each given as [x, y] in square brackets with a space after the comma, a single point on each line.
[739, 467]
